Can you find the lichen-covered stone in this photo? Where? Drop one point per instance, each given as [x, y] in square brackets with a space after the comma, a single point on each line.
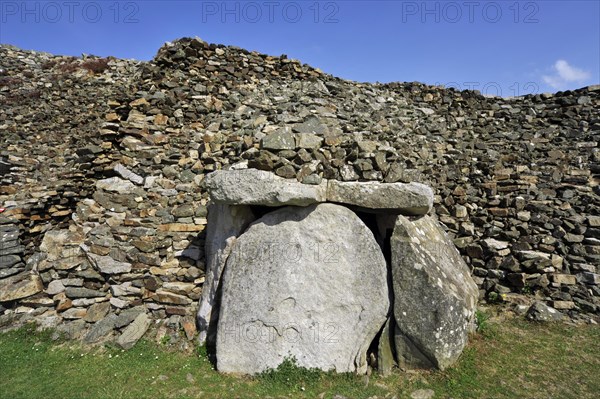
[20, 286]
[434, 295]
[308, 283]
[256, 187]
[408, 199]
[225, 224]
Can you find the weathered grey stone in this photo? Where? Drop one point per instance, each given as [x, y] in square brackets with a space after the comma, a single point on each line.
[539, 311]
[127, 316]
[179, 287]
[168, 297]
[282, 139]
[101, 329]
[72, 329]
[10, 248]
[72, 282]
[494, 244]
[116, 184]
[10, 321]
[79, 292]
[368, 146]
[225, 224]
[385, 352]
[83, 302]
[408, 354]
[97, 312]
[408, 199]
[256, 187]
[312, 179]
[133, 144]
[312, 124]
[8, 235]
[55, 287]
[565, 305]
[118, 303]
[348, 173]
[124, 289]
[50, 321]
[74, 313]
[422, 394]
[7, 261]
[60, 244]
[183, 211]
[395, 173]
[127, 174]
[589, 278]
[308, 283]
[286, 171]
[11, 271]
[434, 294]
[134, 331]
[20, 286]
[107, 265]
[594, 221]
[308, 140]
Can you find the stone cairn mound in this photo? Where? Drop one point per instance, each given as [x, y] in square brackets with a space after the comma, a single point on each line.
[104, 197]
[331, 274]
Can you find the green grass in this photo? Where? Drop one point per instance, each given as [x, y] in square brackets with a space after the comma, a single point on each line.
[512, 359]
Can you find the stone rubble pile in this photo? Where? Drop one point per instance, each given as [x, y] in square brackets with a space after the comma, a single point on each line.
[104, 161]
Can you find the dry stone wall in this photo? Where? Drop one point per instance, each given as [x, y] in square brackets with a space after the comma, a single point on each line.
[104, 161]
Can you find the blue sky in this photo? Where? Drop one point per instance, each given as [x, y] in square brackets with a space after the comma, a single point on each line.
[499, 47]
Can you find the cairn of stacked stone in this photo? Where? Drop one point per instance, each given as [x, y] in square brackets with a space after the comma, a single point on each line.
[103, 164]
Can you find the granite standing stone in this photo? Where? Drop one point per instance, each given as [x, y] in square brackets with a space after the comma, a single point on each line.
[434, 295]
[308, 283]
[225, 224]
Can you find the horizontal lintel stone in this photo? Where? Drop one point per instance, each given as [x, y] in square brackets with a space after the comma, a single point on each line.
[257, 187]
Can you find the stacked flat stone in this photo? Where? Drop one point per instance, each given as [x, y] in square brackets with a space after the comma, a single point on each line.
[118, 158]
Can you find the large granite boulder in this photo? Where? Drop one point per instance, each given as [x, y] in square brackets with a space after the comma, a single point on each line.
[225, 224]
[434, 295]
[306, 283]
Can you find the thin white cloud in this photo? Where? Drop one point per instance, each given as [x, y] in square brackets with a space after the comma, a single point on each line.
[565, 74]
